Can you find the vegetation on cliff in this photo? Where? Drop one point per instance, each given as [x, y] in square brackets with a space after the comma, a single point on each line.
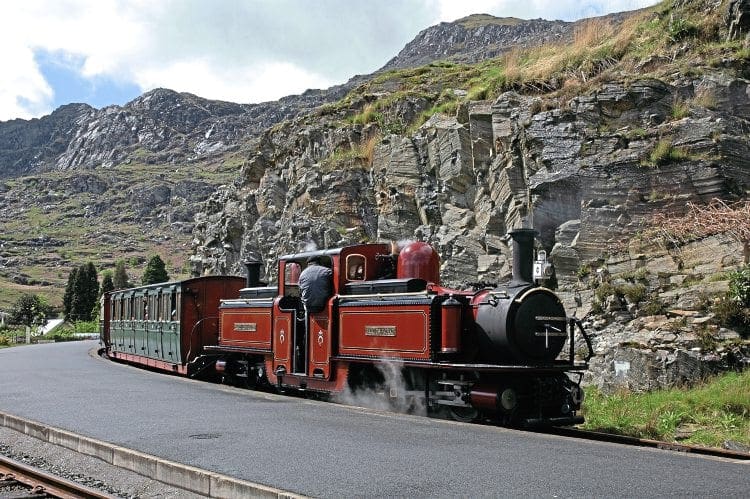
[682, 38]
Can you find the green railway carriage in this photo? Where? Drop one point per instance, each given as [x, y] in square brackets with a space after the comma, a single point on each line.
[166, 325]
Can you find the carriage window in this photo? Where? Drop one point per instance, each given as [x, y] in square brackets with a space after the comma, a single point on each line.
[355, 268]
[153, 307]
[164, 309]
[178, 306]
[173, 307]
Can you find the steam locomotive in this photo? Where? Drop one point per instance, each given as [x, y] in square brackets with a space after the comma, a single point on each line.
[388, 327]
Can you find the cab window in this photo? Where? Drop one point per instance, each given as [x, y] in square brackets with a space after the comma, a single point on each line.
[355, 268]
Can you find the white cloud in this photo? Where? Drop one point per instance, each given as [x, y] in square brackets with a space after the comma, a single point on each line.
[238, 50]
[261, 82]
[23, 91]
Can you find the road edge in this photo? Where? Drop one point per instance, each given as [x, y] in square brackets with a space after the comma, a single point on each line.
[203, 482]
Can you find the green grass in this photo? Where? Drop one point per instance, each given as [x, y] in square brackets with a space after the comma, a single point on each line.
[664, 153]
[712, 413]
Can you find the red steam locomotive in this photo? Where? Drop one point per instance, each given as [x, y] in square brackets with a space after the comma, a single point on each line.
[387, 326]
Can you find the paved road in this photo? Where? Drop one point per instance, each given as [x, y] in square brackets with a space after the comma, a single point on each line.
[323, 449]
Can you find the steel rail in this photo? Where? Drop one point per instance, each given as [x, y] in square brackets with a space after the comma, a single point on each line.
[646, 442]
[43, 484]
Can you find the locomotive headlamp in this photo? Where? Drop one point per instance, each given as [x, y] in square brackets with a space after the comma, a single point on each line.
[542, 268]
[508, 399]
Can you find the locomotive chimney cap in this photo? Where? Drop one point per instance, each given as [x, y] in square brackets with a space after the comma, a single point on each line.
[523, 256]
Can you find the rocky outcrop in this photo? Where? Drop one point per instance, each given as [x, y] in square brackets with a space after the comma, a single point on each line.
[589, 174]
[738, 19]
[159, 127]
[27, 146]
[478, 37]
[481, 36]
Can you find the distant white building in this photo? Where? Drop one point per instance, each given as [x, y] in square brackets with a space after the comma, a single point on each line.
[50, 326]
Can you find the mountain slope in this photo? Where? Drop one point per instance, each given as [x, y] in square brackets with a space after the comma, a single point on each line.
[124, 181]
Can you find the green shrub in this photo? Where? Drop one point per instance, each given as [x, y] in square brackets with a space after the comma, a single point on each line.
[730, 313]
[654, 306]
[739, 286]
[680, 28]
[61, 335]
[633, 292]
[680, 109]
[604, 290]
[90, 327]
[733, 309]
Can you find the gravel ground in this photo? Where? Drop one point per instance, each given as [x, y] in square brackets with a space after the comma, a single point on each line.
[86, 470]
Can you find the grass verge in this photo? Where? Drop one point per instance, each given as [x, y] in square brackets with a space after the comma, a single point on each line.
[710, 414]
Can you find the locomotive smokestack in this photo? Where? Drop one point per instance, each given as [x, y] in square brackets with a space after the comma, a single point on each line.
[523, 256]
[253, 273]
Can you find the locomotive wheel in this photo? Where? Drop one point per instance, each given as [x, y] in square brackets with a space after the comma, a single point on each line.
[464, 414]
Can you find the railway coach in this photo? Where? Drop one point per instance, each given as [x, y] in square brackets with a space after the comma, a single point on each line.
[166, 326]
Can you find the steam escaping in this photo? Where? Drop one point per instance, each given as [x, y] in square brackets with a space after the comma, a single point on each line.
[392, 394]
[311, 246]
[404, 243]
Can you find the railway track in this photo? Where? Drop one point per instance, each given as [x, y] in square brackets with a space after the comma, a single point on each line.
[18, 480]
[645, 442]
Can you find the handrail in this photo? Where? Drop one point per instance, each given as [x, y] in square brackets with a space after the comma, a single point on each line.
[573, 322]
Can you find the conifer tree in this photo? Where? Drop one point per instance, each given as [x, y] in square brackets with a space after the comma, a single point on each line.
[107, 283]
[68, 296]
[92, 287]
[84, 293]
[155, 271]
[120, 279]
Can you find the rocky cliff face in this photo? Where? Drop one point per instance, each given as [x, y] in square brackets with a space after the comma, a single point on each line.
[584, 175]
[589, 170]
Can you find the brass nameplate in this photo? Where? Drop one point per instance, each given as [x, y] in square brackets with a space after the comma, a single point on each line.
[380, 331]
[245, 327]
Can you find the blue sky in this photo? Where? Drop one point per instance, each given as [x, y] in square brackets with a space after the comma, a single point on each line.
[105, 52]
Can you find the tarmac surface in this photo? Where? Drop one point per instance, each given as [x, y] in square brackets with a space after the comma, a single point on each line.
[328, 450]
